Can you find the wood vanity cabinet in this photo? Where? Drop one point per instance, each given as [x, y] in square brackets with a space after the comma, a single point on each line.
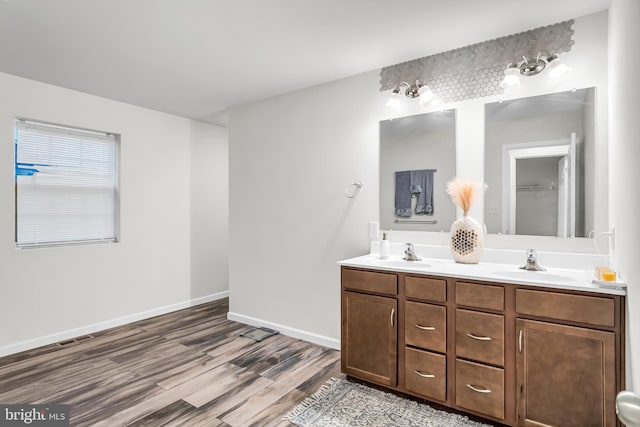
[512, 354]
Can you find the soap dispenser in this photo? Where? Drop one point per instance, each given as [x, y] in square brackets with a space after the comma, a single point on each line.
[384, 247]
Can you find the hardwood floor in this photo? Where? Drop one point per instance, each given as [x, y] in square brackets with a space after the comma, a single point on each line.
[186, 368]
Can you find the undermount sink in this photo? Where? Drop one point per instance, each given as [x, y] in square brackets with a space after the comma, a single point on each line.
[534, 276]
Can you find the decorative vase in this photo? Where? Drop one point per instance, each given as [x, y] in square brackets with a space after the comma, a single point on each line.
[467, 240]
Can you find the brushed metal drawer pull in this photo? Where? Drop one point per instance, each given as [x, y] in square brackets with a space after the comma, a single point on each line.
[475, 337]
[393, 311]
[424, 375]
[479, 390]
[425, 328]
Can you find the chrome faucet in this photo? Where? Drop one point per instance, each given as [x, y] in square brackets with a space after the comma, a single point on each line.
[532, 262]
[409, 253]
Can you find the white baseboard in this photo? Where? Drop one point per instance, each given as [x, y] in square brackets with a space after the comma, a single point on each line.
[286, 330]
[107, 324]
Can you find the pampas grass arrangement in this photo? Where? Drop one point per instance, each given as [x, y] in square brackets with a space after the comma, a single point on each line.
[467, 236]
[463, 192]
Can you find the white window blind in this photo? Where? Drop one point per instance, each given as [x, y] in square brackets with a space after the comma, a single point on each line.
[66, 188]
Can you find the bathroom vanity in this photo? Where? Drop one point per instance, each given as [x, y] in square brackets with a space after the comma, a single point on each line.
[515, 348]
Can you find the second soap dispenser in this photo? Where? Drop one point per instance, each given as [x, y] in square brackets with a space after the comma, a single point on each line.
[384, 247]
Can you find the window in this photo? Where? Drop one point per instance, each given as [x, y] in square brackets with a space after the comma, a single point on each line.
[66, 185]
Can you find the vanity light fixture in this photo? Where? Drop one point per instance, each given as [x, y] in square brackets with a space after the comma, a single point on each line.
[416, 90]
[532, 67]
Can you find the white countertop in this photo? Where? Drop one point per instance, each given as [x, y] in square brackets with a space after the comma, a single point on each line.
[558, 278]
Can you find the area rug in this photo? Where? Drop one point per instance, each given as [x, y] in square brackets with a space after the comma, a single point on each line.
[341, 403]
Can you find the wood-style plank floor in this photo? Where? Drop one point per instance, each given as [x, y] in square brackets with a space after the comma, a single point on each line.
[186, 368]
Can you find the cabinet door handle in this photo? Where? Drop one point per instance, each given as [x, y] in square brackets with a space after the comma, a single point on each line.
[520, 340]
[393, 311]
[475, 337]
[425, 328]
[479, 390]
[424, 375]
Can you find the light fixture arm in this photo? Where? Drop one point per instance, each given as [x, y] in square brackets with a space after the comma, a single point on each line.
[412, 89]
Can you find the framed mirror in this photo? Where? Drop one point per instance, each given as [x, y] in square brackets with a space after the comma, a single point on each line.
[539, 165]
[417, 158]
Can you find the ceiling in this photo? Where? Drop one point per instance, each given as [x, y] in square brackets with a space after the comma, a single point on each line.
[197, 58]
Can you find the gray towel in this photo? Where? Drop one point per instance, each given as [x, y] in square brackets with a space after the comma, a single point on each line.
[403, 196]
[421, 184]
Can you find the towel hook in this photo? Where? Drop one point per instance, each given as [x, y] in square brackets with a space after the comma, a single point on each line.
[354, 189]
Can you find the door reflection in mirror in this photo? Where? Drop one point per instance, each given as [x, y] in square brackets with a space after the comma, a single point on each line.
[539, 165]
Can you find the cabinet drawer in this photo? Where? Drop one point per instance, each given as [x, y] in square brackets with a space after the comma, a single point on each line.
[480, 336]
[576, 308]
[425, 326]
[426, 374]
[480, 296]
[480, 388]
[380, 283]
[425, 288]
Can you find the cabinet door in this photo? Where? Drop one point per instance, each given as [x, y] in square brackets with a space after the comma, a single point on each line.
[369, 325]
[565, 375]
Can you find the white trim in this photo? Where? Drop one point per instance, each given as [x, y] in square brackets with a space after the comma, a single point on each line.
[107, 324]
[286, 330]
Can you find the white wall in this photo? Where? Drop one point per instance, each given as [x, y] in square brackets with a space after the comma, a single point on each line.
[625, 173]
[209, 209]
[53, 293]
[291, 158]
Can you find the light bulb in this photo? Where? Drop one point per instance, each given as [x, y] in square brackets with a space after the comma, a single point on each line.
[557, 69]
[426, 95]
[511, 78]
[395, 100]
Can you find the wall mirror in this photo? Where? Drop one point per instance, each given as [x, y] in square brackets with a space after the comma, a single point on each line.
[539, 165]
[417, 158]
